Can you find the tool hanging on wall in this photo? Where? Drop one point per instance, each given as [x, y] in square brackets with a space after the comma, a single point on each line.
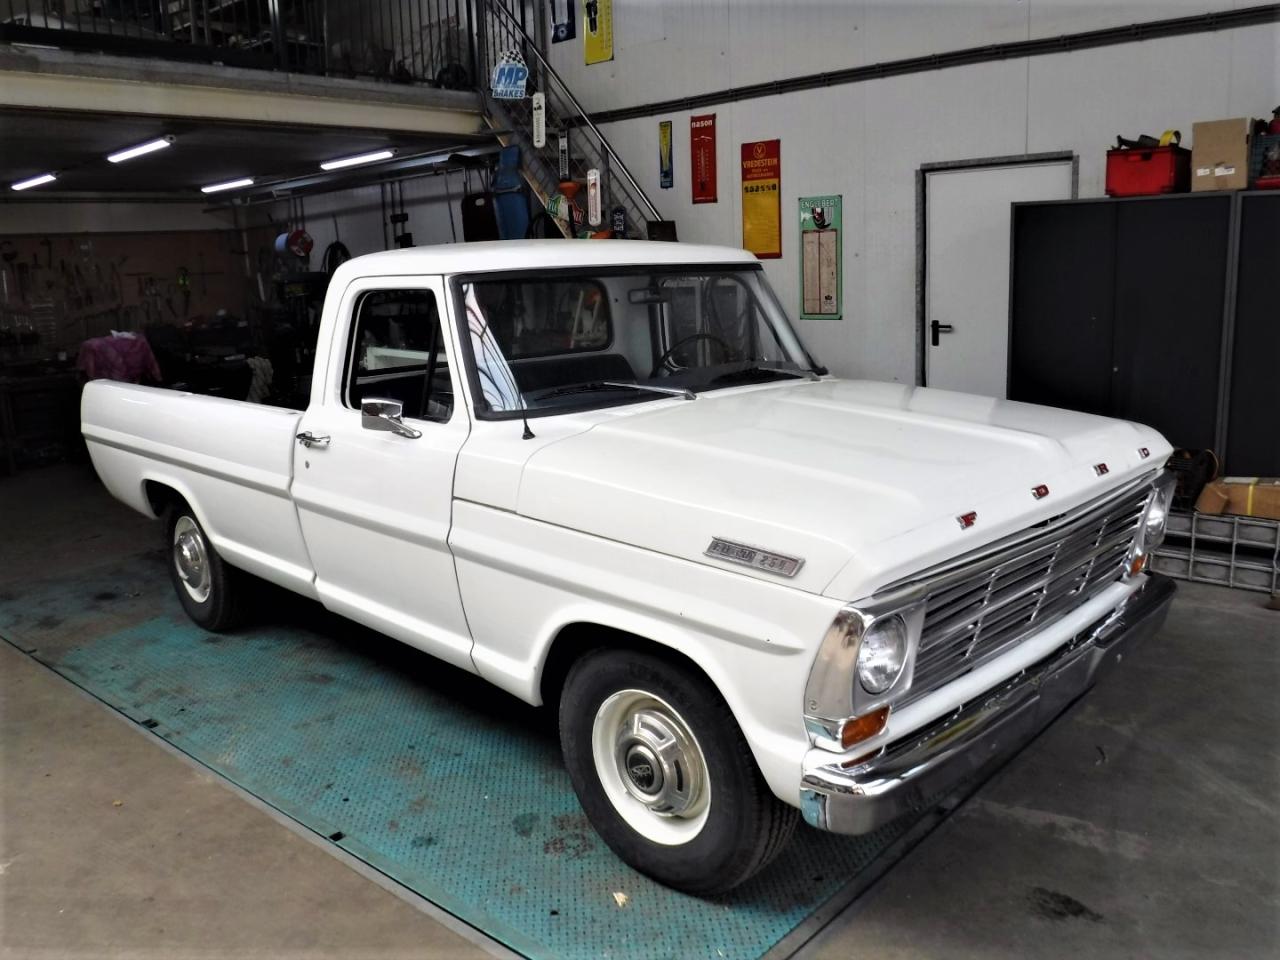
[448, 202]
[399, 217]
[184, 287]
[479, 216]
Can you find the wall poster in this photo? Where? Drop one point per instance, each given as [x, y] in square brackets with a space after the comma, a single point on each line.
[562, 24]
[762, 198]
[597, 38]
[820, 258]
[666, 163]
[702, 161]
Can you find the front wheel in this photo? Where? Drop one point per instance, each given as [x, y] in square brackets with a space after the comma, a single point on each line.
[209, 590]
[664, 774]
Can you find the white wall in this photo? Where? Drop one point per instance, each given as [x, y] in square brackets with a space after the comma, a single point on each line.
[665, 49]
[867, 140]
[359, 215]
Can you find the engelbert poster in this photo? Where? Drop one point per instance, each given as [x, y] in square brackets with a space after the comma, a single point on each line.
[820, 259]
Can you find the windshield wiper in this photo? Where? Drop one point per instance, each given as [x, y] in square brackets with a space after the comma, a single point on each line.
[683, 392]
[754, 372]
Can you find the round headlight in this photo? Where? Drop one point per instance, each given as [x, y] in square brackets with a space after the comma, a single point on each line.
[1153, 525]
[882, 654]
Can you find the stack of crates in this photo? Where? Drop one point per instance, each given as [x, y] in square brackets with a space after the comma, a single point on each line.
[1242, 552]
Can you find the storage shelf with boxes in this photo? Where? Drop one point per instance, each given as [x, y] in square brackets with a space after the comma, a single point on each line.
[1232, 538]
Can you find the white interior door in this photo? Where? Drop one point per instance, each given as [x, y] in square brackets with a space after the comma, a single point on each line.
[967, 268]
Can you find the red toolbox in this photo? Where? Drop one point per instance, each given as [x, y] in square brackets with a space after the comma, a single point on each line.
[1135, 173]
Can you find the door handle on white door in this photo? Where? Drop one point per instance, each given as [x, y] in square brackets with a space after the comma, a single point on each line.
[309, 439]
[936, 328]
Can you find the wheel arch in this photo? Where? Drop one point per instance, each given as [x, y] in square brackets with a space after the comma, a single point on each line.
[575, 640]
[161, 493]
[777, 756]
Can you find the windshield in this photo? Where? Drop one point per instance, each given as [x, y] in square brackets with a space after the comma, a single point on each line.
[592, 338]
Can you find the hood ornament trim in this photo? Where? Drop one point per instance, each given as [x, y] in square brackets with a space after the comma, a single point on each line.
[755, 557]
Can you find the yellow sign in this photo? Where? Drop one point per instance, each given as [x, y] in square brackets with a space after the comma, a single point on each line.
[597, 38]
[762, 198]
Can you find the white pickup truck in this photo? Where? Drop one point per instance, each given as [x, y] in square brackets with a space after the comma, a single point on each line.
[607, 477]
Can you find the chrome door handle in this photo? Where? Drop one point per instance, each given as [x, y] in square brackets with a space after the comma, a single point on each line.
[309, 439]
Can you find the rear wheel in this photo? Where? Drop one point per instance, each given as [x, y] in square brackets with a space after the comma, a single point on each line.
[209, 590]
[665, 775]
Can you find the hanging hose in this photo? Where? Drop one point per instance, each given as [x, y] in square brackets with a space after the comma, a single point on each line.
[335, 255]
[448, 202]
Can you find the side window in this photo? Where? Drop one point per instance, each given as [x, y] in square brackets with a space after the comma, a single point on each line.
[397, 353]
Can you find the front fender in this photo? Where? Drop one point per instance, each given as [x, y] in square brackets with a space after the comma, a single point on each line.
[524, 581]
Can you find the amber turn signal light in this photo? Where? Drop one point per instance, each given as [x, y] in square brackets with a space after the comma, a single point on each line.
[864, 727]
[1138, 564]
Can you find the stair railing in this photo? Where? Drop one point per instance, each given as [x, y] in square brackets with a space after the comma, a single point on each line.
[500, 33]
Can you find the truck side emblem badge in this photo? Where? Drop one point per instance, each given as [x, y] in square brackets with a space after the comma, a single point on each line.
[1040, 491]
[967, 520]
[1143, 452]
[765, 560]
[1101, 469]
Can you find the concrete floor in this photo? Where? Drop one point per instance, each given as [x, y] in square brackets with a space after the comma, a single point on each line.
[1145, 823]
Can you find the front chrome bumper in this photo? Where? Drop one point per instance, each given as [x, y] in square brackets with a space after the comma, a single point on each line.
[927, 762]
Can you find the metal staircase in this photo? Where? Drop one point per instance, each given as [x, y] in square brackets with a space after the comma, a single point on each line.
[500, 35]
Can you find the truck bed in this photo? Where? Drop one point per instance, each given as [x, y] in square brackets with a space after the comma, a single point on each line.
[230, 459]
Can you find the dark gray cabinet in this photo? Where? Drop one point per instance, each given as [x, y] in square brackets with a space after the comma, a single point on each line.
[1128, 308]
[1253, 412]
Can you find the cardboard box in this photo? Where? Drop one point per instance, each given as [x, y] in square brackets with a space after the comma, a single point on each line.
[1220, 155]
[1243, 496]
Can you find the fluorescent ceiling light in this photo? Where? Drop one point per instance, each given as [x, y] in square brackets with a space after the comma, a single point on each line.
[33, 182]
[357, 160]
[229, 185]
[151, 146]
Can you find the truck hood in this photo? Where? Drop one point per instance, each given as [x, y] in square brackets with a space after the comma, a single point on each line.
[825, 471]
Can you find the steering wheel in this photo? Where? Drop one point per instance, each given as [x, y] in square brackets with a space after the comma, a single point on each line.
[685, 341]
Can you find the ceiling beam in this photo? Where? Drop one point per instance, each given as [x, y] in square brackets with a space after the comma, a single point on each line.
[57, 80]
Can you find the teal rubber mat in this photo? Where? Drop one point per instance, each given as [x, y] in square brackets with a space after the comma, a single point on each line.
[429, 775]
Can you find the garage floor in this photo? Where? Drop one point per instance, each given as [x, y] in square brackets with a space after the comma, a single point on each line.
[1144, 823]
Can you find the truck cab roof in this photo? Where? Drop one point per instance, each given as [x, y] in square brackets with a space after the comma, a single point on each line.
[506, 255]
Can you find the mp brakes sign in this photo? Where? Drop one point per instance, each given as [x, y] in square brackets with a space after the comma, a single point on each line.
[509, 77]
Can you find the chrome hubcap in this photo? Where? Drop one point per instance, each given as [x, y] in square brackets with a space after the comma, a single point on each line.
[659, 764]
[191, 559]
[651, 766]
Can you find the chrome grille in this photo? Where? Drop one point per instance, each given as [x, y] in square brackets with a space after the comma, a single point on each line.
[976, 608]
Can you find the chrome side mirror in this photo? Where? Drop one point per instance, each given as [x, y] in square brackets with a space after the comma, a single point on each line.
[386, 415]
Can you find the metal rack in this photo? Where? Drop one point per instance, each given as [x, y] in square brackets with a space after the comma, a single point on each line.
[1240, 552]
